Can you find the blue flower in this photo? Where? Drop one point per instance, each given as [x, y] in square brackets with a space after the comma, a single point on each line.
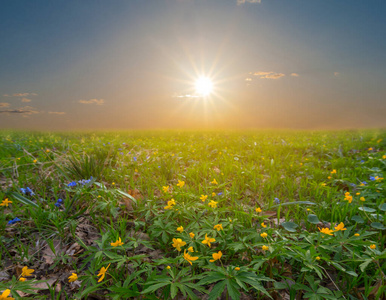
[71, 184]
[372, 178]
[13, 221]
[134, 158]
[277, 200]
[121, 153]
[27, 191]
[219, 194]
[362, 161]
[353, 184]
[57, 204]
[59, 201]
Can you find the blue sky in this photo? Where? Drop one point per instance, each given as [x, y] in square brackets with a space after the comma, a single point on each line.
[132, 64]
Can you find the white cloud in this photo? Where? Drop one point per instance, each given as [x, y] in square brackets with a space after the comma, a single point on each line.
[3, 104]
[248, 79]
[25, 100]
[239, 2]
[295, 74]
[56, 112]
[92, 101]
[268, 75]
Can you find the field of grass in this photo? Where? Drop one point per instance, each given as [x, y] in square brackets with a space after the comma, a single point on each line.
[193, 215]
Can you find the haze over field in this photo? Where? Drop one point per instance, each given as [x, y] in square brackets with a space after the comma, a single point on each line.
[192, 64]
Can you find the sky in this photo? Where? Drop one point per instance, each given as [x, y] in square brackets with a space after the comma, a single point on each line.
[134, 64]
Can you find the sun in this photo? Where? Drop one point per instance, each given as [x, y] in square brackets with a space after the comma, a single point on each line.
[204, 86]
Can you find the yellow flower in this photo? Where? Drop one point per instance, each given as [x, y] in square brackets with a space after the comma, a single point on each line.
[203, 198]
[117, 243]
[178, 243]
[317, 258]
[362, 199]
[384, 156]
[35, 161]
[370, 149]
[329, 177]
[357, 234]
[380, 140]
[218, 227]
[348, 198]
[190, 249]
[180, 229]
[214, 181]
[113, 183]
[168, 207]
[264, 247]
[5, 295]
[263, 225]
[213, 194]
[208, 240]
[191, 234]
[25, 272]
[136, 170]
[264, 235]
[323, 184]
[308, 209]
[333, 171]
[258, 210]
[340, 227]
[237, 269]
[180, 183]
[168, 267]
[73, 277]
[22, 279]
[373, 246]
[189, 258]
[216, 256]
[48, 150]
[347, 194]
[326, 231]
[102, 273]
[212, 204]
[5, 202]
[358, 194]
[165, 189]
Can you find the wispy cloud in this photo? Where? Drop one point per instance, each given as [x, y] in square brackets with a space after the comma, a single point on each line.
[27, 110]
[268, 75]
[239, 2]
[56, 112]
[186, 96]
[295, 74]
[25, 100]
[3, 104]
[92, 101]
[20, 95]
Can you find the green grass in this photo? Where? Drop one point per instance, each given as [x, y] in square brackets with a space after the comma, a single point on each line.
[119, 194]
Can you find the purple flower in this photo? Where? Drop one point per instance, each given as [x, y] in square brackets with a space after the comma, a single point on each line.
[277, 200]
[71, 184]
[134, 158]
[27, 191]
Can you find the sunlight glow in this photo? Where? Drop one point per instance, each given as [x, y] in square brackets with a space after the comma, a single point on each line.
[204, 86]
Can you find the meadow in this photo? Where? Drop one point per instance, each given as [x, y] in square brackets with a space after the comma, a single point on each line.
[193, 215]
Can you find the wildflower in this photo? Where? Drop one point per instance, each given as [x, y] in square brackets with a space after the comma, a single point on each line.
[323, 184]
[208, 240]
[48, 150]
[203, 198]
[237, 269]
[218, 227]
[165, 189]
[189, 258]
[329, 177]
[216, 256]
[136, 170]
[373, 246]
[71, 184]
[258, 210]
[362, 199]
[22, 279]
[113, 183]
[317, 258]
[214, 181]
[213, 194]
[5, 295]
[277, 200]
[180, 183]
[5, 202]
[191, 234]
[180, 229]
[35, 161]
[340, 227]
[27, 190]
[168, 267]
[308, 209]
[264, 235]
[264, 247]
[333, 171]
[347, 194]
[380, 140]
[212, 204]
[178, 243]
[118, 242]
[263, 225]
[326, 231]
[11, 222]
[384, 156]
[372, 178]
[370, 149]
[73, 277]
[358, 194]
[170, 204]
[348, 198]
[357, 234]
[102, 273]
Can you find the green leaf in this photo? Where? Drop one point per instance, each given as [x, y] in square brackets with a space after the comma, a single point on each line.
[358, 219]
[155, 287]
[290, 226]
[313, 219]
[294, 203]
[377, 225]
[364, 265]
[382, 207]
[217, 290]
[213, 277]
[233, 290]
[366, 209]
[22, 199]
